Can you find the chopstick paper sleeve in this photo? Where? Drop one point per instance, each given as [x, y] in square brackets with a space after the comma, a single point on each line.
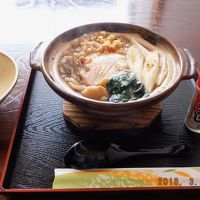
[126, 177]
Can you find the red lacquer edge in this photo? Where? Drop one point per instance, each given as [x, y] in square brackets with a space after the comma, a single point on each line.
[85, 190]
[12, 139]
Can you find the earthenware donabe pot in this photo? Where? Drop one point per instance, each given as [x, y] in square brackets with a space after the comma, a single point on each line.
[44, 59]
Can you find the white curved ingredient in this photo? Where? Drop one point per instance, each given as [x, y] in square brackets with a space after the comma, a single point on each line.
[135, 61]
[151, 69]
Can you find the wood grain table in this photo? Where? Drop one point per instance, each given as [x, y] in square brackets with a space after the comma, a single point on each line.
[26, 23]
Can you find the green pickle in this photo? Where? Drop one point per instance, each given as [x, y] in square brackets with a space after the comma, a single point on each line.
[124, 87]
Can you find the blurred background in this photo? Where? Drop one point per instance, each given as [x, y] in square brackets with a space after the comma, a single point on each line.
[28, 21]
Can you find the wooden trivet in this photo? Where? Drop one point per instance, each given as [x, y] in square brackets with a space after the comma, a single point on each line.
[87, 121]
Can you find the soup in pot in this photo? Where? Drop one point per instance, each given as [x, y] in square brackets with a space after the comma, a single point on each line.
[116, 67]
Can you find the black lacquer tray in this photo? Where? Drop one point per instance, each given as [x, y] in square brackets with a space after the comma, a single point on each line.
[43, 137]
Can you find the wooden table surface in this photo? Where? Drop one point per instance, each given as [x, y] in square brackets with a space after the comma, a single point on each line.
[25, 23]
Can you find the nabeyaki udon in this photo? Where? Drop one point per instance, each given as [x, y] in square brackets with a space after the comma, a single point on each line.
[117, 67]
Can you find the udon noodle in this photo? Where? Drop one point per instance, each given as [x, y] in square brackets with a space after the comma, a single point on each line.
[101, 64]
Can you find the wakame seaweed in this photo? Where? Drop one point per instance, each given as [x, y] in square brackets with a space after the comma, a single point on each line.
[124, 87]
